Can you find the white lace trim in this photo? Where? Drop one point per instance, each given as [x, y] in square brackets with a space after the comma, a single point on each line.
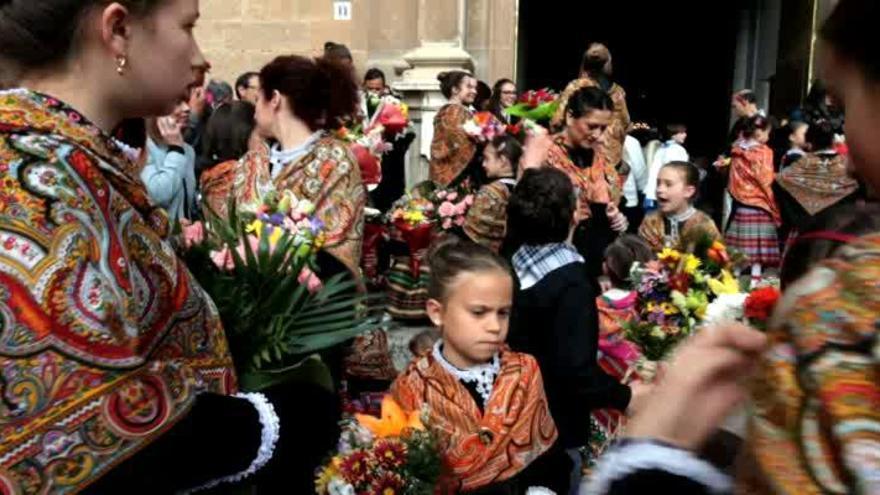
[483, 375]
[621, 462]
[676, 220]
[268, 439]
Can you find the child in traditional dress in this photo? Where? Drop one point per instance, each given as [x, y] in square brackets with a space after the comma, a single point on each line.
[677, 220]
[486, 402]
[755, 217]
[486, 221]
[672, 150]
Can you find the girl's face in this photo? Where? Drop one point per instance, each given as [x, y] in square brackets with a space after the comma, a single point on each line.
[162, 54]
[466, 92]
[475, 316]
[861, 99]
[508, 95]
[181, 113]
[496, 164]
[798, 138]
[674, 195]
[762, 136]
[587, 131]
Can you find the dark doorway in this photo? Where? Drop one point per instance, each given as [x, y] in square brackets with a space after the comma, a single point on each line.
[675, 59]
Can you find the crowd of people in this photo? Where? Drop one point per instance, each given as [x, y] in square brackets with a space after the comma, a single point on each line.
[115, 372]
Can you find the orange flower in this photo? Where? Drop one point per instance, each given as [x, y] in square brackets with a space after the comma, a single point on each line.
[394, 420]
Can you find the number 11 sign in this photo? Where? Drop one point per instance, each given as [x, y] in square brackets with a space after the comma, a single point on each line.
[342, 11]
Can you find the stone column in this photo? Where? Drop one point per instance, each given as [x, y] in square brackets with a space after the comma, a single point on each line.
[441, 34]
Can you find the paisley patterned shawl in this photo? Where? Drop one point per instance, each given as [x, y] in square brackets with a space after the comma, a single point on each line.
[328, 176]
[486, 221]
[816, 422]
[751, 178]
[216, 186]
[654, 230]
[595, 184]
[105, 338]
[451, 148]
[817, 181]
[482, 448]
[616, 133]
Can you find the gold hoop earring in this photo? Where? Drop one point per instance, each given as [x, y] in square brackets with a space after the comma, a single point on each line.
[121, 63]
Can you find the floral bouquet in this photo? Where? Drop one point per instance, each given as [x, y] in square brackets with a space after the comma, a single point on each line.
[391, 114]
[760, 304]
[259, 268]
[390, 455]
[538, 106]
[673, 296]
[413, 217]
[484, 126]
[368, 148]
[452, 207]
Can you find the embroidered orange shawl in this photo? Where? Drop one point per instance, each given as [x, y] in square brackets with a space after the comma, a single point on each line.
[329, 177]
[653, 230]
[815, 422]
[107, 339]
[594, 184]
[451, 148]
[486, 221]
[751, 178]
[482, 448]
[817, 181]
[216, 186]
[616, 133]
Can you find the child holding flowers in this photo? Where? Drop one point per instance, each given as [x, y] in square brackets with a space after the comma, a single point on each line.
[485, 402]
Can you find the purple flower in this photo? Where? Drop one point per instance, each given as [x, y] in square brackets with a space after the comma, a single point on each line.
[276, 219]
[316, 225]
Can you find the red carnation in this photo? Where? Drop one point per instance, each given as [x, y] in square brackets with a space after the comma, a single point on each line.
[388, 484]
[355, 468]
[760, 303]
[390, 454]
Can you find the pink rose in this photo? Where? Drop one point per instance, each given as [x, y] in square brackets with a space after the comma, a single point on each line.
[461, 208]
[447, 224]
[452, 196]
[446, 209]
[441, 194]
[222, 259]
[308, 278]
[459, 221]
[469, 199]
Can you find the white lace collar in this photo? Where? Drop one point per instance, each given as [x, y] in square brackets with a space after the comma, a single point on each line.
[482, 375]
[281, 158]
[675, 222]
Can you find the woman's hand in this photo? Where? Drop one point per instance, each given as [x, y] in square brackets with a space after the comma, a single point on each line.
[171, 130]
[537, 147]
[701, 386]
[618, 220]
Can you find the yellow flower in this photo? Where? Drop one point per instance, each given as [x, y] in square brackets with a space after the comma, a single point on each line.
[669, 308]
[256, 228]
[325, 477]
[393, 422]
[275, 236]
[404, 109]
[726, 285]
[691, 263]
[669, 255]
[414, 217]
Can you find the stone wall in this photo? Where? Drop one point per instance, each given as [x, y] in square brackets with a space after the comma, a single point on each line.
[241, 35]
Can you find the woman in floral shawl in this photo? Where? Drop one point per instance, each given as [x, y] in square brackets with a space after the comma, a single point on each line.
[454, 154]
[113, 362]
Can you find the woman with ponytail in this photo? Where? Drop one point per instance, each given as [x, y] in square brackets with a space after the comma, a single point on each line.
[301, 101]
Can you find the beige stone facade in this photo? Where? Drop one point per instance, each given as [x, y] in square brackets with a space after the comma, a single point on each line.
[241, 35]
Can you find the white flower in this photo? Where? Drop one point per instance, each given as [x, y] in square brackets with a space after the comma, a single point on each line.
[338, 486]
[727, 307]
[539, 490]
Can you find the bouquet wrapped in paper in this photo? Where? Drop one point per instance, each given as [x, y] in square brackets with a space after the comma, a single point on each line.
[393, 454]
[451, 206]
[484, 126]
[391, 115]
[259, 269]
[368, 147]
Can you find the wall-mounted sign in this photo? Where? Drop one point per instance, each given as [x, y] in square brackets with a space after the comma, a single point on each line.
[342, 11]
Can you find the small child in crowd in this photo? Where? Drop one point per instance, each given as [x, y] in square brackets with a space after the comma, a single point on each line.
[672, 150]
[486, 402]
[677, 219]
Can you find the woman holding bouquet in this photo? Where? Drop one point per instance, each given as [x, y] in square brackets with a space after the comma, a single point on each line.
[114, 366]
[455, 156]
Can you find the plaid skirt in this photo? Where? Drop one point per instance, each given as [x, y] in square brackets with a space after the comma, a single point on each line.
[753, 233]
[407, 294]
